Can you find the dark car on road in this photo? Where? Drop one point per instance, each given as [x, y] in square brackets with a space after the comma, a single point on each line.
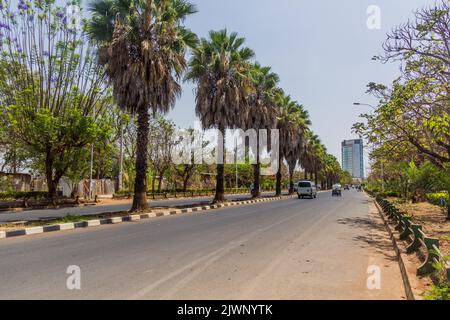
[337, 190]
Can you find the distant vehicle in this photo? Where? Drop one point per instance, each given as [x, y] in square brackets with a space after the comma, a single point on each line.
[337, 190]
[346, 187]
[306, 189]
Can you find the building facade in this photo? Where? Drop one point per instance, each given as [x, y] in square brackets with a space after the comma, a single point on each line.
[353, 158]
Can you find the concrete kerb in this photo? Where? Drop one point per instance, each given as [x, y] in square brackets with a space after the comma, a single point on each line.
[128, 218]
[408, 278]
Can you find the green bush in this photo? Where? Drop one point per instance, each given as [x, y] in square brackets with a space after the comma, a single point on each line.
[390, 193]
[439, 198]
[438, 292]
[123, 193]
[23, 195]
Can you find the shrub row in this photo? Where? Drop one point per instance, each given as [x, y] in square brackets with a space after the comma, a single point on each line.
[199, 190]
[23, 195]
[388, 193]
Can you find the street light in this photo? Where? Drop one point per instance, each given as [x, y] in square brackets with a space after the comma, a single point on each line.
[364, 104]
[382, 166]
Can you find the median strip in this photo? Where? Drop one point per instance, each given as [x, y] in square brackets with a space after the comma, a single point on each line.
[128, 218]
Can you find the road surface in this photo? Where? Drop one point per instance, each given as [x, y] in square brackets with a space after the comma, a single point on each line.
[288, 249]
[32, 215]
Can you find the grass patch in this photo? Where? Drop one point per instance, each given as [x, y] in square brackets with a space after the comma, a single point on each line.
[71, 218]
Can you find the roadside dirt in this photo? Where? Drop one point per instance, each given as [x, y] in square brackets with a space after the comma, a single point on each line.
[433, 220]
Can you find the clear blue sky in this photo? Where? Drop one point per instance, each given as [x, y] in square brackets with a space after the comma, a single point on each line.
[321, 49]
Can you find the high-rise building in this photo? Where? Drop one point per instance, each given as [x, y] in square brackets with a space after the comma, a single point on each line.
[353, 158]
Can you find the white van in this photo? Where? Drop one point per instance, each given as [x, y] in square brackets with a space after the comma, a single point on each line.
[306, 189]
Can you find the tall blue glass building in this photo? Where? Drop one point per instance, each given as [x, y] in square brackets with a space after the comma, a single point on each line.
[353, 158]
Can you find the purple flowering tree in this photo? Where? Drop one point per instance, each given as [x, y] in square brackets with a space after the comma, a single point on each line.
[52, 88]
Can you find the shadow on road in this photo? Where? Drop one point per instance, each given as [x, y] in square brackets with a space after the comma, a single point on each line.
[373, 234]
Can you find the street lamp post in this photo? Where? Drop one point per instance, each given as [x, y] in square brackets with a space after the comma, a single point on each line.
[91, 166]
[364, 104]
[235, 163]
[382, 165]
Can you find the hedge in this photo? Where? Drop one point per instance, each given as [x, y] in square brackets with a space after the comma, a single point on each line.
[202, 190]
[23, 195]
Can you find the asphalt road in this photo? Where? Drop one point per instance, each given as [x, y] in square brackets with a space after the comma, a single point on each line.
[32, 215]
[288, 249]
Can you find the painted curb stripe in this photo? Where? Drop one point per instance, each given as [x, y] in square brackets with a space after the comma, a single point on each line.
[34, 230]
[115, 220]
[66, 226]
[15, 233]
[92, 223]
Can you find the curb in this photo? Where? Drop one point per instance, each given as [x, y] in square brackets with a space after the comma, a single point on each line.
[128, 218]
[410, 295]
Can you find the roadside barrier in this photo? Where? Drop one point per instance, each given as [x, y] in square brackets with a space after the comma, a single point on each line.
[416, 240]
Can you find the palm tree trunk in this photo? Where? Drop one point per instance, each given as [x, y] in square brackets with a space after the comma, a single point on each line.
[220, 191]
[256, 171]
[256, 193]
[140, 183]
[306, 175]
[278, 185]
[291, 181]
[315, 178]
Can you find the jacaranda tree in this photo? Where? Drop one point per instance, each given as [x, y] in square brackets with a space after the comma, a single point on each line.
[54, 89]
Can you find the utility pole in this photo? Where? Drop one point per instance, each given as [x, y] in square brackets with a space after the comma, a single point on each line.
[91, 167]
[235, 163]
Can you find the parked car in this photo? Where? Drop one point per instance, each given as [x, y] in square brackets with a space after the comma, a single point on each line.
[346, 187]
[306, 189]
[337, 190]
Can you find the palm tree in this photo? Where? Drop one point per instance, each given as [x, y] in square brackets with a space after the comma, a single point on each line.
[262, 111]
[294, 150]
[143, 46]
[292, 128]
[220, 67]
[312, 156]
[331, 170]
